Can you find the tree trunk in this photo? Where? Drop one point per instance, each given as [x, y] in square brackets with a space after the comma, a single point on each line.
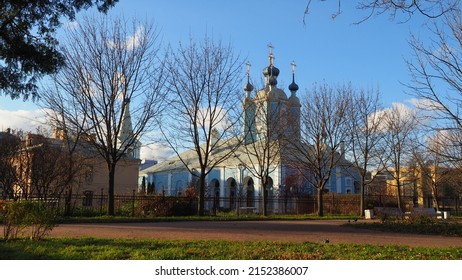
[200, 204]
[361, 199]
[320, 203]
[110, 204]
[399, 195]
[435, 199]
[265, 197]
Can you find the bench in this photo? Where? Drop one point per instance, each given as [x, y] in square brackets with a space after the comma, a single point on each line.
[428, 212]
[425, 212]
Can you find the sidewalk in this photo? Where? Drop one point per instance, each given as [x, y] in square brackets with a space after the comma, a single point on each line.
[290, 231]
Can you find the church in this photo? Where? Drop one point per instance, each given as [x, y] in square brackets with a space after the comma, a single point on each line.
[235, 183]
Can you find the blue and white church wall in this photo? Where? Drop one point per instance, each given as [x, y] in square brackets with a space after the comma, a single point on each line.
[237, 188]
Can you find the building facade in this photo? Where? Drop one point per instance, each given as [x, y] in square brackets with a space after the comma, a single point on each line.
[267, 115]
[42, 167]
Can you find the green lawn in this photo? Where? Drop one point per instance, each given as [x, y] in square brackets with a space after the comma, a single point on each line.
[141, 249]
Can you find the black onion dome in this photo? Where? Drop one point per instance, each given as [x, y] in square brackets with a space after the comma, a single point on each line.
[248, 87]
[271, 71]
[293, 86]
[273, 81]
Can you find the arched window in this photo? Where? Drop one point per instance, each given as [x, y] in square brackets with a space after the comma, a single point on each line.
[249, 192]
[231, 186]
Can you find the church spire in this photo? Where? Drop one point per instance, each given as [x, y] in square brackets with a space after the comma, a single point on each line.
[271, 56]
[293, 87]
[126, 129]
[271, 72]
[248, 87]
[126, 135]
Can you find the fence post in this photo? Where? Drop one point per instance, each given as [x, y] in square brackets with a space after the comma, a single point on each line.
[238, 205]
[133, 203]
[457, 205]
[101, 203]
[332, 204]
[297, 201]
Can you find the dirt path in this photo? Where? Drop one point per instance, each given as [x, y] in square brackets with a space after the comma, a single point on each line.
[297, 231]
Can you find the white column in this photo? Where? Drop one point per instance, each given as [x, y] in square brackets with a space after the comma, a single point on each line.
[169, 183]
[223, 186]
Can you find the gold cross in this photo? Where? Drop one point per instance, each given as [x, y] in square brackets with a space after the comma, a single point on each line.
[248, 68]
[271, 57]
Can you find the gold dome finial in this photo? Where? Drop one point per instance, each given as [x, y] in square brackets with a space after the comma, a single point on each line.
[247, 73]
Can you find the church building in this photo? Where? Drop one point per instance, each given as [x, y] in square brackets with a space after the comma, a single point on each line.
[267, 113]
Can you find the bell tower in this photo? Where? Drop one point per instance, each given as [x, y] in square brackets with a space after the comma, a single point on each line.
[270, 114]
[126, 135]
[248, 106]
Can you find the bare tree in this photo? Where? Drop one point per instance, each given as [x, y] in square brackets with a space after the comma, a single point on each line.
[431, 166]
[400, 123]
[265, 121]
[203, 80]
[447, 143]
[110, 88]
[262, 155]
[365, 139]
[443, 152]
[436, 73]
[35, 166]
[55, 167]
[428, 8]
[323, 133]
[431, 9]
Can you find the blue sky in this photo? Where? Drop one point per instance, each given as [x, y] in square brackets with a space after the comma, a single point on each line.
[335, 51]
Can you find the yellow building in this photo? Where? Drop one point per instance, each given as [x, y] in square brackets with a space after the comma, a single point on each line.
[422, 185]
[45, 169]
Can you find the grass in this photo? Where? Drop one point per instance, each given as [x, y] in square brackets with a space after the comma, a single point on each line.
[148, 249]
[422, 225]
[141, 249]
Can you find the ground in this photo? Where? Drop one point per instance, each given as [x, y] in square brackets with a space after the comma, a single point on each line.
[295, 231]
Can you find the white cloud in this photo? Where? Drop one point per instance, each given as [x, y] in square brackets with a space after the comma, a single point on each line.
[399, 110]
[426, 104]
[221, 119]
[156, 151]
[131, 42]
[134, 40]
[26, 120]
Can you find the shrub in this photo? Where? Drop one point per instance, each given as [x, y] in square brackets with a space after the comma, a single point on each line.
[13, 213]
[2, 209]
[164, 206]
[126, 209]
[85, 212]
[18, 215]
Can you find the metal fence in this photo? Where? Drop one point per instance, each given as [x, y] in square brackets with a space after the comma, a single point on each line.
[158, 205]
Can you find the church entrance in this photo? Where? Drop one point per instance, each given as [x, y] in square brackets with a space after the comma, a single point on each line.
[215, 189]
[269, 194]
[231, 186]
[249, 192]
